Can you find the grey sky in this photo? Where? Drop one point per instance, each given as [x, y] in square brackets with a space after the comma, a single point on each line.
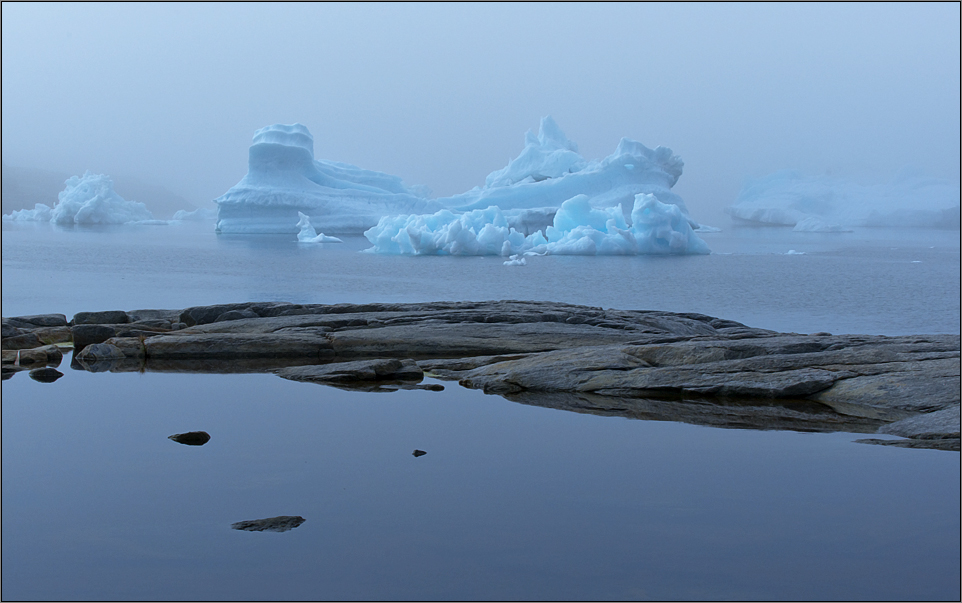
[442, 95]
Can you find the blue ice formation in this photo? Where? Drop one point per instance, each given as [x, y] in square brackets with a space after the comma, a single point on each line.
[201, 214]
[577, 228]
[88, 199]
[549, 171]
[283, 179]
[309, 235]
[550, 200]
[829, 204]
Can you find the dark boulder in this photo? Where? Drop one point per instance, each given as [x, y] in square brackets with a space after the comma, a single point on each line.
[107, 317]
[84, 335]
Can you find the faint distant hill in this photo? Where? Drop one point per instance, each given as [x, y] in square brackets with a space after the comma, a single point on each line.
[24, 187]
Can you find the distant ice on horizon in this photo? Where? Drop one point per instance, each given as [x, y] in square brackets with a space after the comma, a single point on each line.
[831, 204]
[88, 199]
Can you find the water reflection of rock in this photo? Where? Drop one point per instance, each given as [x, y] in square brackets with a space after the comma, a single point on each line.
[45, 375]
[760, 414]
[191, 438]
[282, 523]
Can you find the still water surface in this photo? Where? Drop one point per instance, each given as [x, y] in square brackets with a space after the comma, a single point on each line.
[510, 501]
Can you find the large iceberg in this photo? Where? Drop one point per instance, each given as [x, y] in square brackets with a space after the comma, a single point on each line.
[829, 204]
[549, 171]
[577, 228]
[284, 179]
[88, 199]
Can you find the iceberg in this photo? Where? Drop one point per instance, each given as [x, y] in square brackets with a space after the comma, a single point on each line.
[549, 171]
[200, 214]
[828, 204]
[577, 228]
[88, 199]
[309, 235]
[284, 179]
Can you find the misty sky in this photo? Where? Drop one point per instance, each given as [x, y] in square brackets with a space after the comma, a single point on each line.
[442, 95]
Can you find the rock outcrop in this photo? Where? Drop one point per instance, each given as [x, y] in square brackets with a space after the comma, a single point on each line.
[642, 364]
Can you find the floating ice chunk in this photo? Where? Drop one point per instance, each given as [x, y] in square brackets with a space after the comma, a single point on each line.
[87, 199]
[577, 229]
[516, 260]
[827, 204]
[199, 214]
[309, 235]
[815, 224]
[284, 179]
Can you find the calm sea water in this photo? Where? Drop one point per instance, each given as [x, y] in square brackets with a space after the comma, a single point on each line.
[510, 501]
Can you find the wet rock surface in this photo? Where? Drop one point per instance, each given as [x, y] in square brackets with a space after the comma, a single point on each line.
[643, 364]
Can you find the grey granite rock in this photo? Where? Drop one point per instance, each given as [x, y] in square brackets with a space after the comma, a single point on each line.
[693, 367]
[48, 354]
[37, 320]
[357, 372]
[107, 317]
[99, 351]
[22, 342]
[10, 331]
[938, 424]
[84, 335]
[237, 345]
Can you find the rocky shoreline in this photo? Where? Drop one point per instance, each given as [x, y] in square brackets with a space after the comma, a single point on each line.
[641, 364]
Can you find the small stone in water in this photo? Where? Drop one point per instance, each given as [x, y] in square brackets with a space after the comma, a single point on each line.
[191, 438]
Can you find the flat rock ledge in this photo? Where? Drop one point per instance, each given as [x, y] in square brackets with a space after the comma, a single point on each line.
[642, 364]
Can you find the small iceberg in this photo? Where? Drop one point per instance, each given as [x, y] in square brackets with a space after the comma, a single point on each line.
[88, 199]
[309, 235]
